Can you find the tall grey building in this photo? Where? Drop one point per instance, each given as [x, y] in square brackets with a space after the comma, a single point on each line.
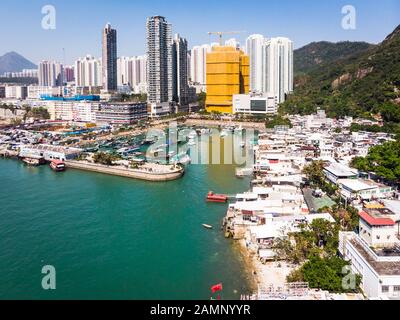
[50, 74]
[180, 86]
[159, 60]
[109, 64]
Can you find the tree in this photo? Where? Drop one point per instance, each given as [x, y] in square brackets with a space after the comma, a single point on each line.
[315, 174]
[37, 113]
[324, 273]
[320, 238]
[201, 99]
[105, 158]
[383, 159]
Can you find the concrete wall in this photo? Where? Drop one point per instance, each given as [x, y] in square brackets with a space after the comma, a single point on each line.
[129, 173]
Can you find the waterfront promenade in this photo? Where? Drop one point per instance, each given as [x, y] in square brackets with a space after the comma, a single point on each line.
[149, 171]
[208, 122]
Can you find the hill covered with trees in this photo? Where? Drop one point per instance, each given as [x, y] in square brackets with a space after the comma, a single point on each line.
[363, 84]
[320, 53]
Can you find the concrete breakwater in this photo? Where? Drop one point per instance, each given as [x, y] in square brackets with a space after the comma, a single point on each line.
[148, 171]
[244, 124]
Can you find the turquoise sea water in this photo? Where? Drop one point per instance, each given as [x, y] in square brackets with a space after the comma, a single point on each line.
[116, 238]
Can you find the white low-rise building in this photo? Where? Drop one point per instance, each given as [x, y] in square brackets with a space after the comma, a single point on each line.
[36, 92]
[16, 92]
[159, 109]
[255, 104]
[360, 189]
[374, 254]
[77, 111]
[336, 171]
[49, 152]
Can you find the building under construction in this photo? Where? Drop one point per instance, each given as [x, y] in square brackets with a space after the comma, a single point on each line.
[227, 74]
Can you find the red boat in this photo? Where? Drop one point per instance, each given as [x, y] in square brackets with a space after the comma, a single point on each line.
[212, 197]
[57, 165]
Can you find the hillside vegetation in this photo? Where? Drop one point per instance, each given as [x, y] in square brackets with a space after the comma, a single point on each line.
[363, 84]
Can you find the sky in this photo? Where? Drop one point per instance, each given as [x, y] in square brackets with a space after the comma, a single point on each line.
[79, 23]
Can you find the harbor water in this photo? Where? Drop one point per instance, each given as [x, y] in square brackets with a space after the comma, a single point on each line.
[116, 238]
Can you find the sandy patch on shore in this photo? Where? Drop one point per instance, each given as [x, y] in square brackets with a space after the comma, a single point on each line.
[264, 275]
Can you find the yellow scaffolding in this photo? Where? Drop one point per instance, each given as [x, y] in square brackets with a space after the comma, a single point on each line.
[227, 74]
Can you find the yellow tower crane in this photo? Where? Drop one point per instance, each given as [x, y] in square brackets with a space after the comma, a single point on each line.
[220, 33]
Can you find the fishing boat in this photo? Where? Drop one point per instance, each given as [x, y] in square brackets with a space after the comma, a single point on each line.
[128, 149]
[212, 197]
[243, 172]
[137, 160]
[33, 161]
[57, 165]
[207, 226]
[149, 140]
[108, 144]
[92, 149]
[138, 153]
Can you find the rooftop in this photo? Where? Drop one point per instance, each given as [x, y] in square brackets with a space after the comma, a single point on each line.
[387, 268]
[357, 184]
[374, 218]
[341, 170]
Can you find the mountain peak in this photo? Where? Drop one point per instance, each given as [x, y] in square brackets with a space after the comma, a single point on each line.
[322, 52]
[394, 34]
[14, 62]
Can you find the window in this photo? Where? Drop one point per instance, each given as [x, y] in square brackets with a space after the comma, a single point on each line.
[385, 288]
[396, 288]
[257, 105]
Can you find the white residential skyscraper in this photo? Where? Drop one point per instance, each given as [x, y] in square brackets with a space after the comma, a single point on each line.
[198, 64]
[159, 60]
[88, 72]
[132, 71]
[278, 68]
[271, 65]
[254, 49]
[232, 43]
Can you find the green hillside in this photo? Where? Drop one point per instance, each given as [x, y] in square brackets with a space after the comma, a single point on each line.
[359, 85]
[316, 54]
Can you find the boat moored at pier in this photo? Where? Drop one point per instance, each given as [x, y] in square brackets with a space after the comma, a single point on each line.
[212, 197]
[57, 165]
